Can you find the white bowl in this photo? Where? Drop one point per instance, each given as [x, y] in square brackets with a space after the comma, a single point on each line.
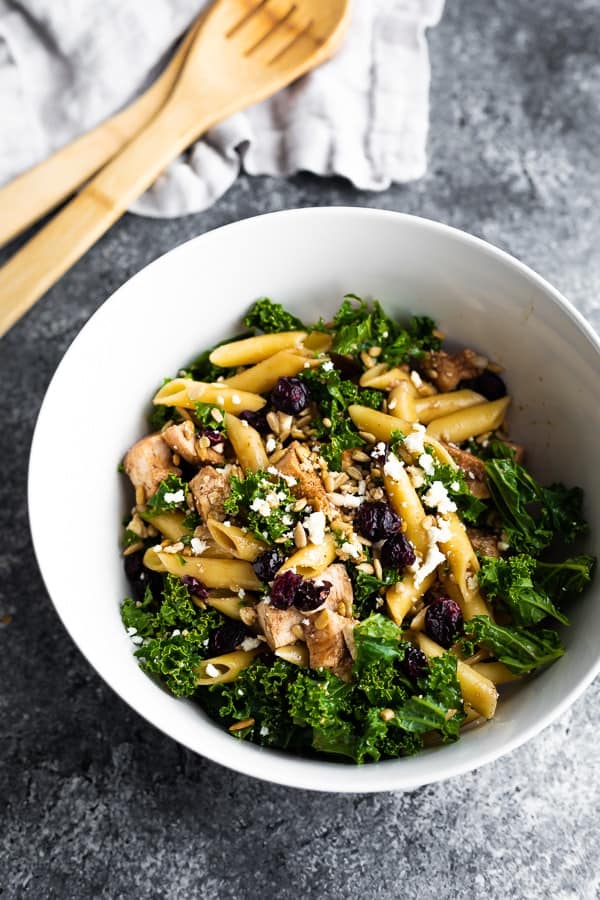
[306, 259]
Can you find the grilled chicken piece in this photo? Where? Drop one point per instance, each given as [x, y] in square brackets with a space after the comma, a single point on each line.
[308, 484]
[148, 463]
[474, 469]
[327, 644]
[484, 542]
[279, 626]
[210, 489]
[341, 596]
[446, 370]
[182, 439]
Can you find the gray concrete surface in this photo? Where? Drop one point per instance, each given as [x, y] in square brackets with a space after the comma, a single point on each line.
[94, 803]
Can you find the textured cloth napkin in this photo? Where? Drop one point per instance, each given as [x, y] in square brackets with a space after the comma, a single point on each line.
[65, 65]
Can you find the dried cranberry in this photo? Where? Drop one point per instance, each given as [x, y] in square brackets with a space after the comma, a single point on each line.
[311, 595]
[140, 577]
[195, 586]
[257, 420]
[443, 621]
[290, 395]
[226, 638]
[283, 592]
[397, 552]
[414, 663]
[488, 383]
[267, 564]
[376, 520]
[214, 436]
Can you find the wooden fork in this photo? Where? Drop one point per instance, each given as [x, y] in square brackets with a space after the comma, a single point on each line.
[243, 52]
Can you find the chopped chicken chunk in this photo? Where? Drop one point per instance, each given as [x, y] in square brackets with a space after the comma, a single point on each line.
[210, 489]
[148, 463]
[182, 439]
[327, 643]
[341, 595]
[474, 469]
[446, 370]
[278, 625]
[484, 542]
[308, 485]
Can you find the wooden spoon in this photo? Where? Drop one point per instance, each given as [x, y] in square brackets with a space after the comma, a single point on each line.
[243, 52]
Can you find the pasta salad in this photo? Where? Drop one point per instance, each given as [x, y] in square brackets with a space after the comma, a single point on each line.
[335, 548]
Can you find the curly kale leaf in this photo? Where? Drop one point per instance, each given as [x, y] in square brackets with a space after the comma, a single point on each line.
[264, 502]
[169, 495]
[509, 583]
[271, 318]
[203, 413]
[520, 649]
[377, 638]
[531, 514]
[567, 579]
[471, 508]
[138, 615]
[368, 589]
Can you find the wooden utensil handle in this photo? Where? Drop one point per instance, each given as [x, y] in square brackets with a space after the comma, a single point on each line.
[57, 246]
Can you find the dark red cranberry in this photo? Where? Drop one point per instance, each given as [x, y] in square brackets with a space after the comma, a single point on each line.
[214, 436]
[488, 383]
[257, 420]
[283, 592]
[267, 564]
[414, 663]
[140, 577]
[443, 621]
[290, 395]
[397, 552]
[376, 520]
[311, 595]
[195, 587]
[226, 638]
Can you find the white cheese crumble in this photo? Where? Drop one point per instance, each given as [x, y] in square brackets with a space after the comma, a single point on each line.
[414, 442]
[354, 550]
[416, 378]
[437, 498]
[241, 593]
[455, 486]
[270, 444]
[289, 479]
[174, 497]
[427, 464]
[315, 525]
[439, 532]
[349, 500]
[393, 467]
[250, 643]
[198, 546]
[212, 671]
[327, 366]
[263, 731]
[260, 506]
[137, 639]
[131, 631]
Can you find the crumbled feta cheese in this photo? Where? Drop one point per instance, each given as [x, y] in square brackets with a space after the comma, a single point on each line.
[385, 334]
[212, 671]
[427, 464]
[250, 643]
[289, 479]
[327, 366]
[157, 548]
[287, 520]
[315, 525]
[432, 560]
[354, 550]
[437, 498]
[137, 639]
[272, 499]
[270, 444]
[198, 546]
[414, 442]
[393, 467]
[245, 423]
[416, 378]
[455, 486]
[218, 448]
[176, 632]
[241, 593]
[378, 451]
[472, 582]
[131, 631]
[349, 500]
[260, 506]
[263, 731]
[174, 496]
[502, 546]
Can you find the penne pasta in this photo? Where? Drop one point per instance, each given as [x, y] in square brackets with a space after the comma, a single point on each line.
[401, 402]
[405, 501]
[214, 573]
[264, 375]
[254, 349]
[496, 672]
[241, 543]
[377, 423]
[464, 566]
[247, 444]
[170, 524]
[383, 378]
[221, 669]
[438, 405]
[225, 602]
[469, 422]
[402, 596]
[185, 393]
[477, 690]
[297, 654]
[318, 342]
[312, 559]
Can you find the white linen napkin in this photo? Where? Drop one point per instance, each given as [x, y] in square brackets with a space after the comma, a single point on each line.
[66, 65]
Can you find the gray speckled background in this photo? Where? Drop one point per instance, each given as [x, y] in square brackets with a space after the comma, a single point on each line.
[94, 803]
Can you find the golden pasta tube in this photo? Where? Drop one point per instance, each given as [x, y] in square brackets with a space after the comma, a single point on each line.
[254, 349]
[312, 559]
[401, 402]
[264, 375]
[438, 405]
[242, 544]
[185, 392]
[294, 653]
[402, 596]
[227, 667]
[377, 423]
[476, 689]
[406, 502]
[464, 566]
[470, 421]
[214, 573]
[496, 672]
[168, 523]
[383, 378]
[226, 603]
[318, 341]
[247, 444]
